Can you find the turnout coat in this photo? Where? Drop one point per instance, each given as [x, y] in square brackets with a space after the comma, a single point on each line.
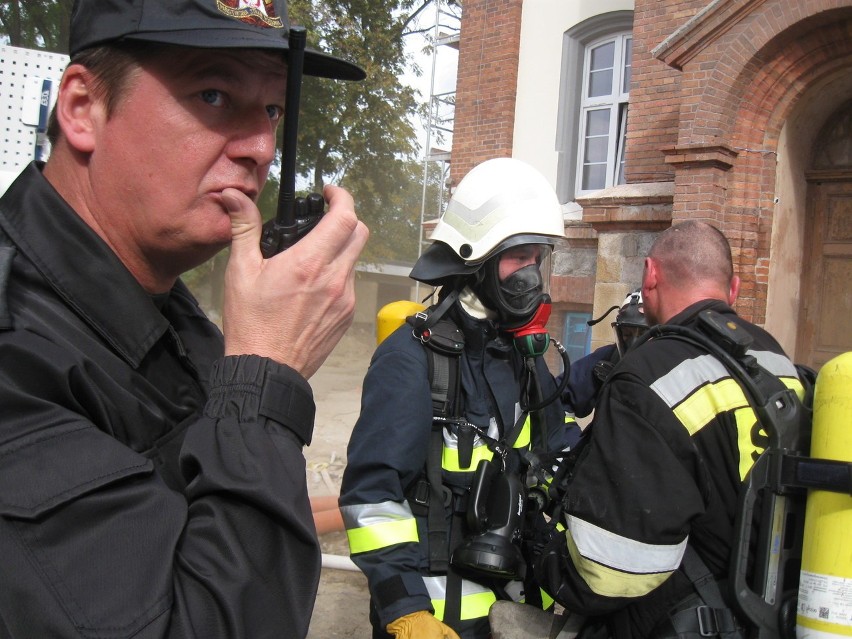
[387, 456]
[671, 441]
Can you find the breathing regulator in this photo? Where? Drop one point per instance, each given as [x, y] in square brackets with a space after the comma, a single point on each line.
[502, 209]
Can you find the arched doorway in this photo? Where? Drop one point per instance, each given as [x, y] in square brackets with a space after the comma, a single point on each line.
[825, 317]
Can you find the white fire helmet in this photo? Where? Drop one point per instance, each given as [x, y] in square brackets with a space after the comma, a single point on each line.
[500, 203]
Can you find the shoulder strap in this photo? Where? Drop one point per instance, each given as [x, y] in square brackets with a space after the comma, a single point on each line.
[711, 618]
[443, 343]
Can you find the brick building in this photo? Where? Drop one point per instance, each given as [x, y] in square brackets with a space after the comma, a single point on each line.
[740, 113]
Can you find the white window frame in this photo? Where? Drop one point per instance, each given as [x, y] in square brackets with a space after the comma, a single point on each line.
[616, 102]
[574, 41]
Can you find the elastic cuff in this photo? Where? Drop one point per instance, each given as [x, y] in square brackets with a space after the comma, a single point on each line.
[253, 387]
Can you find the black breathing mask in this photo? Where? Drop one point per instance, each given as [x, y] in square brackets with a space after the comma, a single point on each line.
[517, 298]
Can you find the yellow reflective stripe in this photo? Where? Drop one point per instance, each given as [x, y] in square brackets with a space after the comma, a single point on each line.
[709, 401]
[623, 553]
[450, 459]
[382, 535]
[438, 605]
[473, 606]
[795, 385]
[523, 440]
[450, 454]
[746, 420]
[609, 582]
[546, 600]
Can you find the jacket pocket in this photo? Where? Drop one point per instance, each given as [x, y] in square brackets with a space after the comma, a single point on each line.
[98, 529]
[49, 471]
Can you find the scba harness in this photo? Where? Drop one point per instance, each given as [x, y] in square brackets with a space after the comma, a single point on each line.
[486, 522]
[758, 598]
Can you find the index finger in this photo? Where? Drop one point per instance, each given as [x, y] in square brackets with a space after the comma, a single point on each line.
[336, 228]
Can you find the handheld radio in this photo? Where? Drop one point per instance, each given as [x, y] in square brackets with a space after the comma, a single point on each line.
[295, 216]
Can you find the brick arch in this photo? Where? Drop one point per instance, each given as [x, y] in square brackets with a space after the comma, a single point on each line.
[768, 55]
[775, 80]
[762, 111]
[759, 75]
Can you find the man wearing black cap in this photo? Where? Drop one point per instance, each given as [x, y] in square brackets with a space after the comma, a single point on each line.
[152, 482]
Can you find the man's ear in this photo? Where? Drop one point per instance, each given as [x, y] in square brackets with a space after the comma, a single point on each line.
[733, 290]
[649, 276]
[78, 108]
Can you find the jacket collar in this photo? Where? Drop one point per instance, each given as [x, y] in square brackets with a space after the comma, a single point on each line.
[689, 315]
[79, 266]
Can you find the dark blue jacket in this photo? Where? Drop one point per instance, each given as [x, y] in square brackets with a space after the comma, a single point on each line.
[388, 451]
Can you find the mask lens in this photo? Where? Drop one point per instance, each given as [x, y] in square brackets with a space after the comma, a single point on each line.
[522, 288]
[545, 265]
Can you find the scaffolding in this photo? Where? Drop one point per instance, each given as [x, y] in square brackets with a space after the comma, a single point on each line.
[439, 117]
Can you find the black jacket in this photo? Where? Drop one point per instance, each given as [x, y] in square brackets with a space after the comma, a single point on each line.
[670, 443]
[149, 486]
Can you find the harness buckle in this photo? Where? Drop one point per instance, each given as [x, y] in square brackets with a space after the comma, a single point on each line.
[421, 493]
[708, 625]
[420, 333]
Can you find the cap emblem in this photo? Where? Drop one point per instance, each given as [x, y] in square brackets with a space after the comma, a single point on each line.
[259, 13]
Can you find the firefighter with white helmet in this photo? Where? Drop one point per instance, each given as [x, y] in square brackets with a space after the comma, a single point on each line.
[418, 442]
[500, 204]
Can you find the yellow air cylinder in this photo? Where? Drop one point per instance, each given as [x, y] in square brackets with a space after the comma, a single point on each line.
[391, 316]
[825, 588]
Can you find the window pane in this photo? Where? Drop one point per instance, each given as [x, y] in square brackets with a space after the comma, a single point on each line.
[596, 149]
[601, 68]
[628, 65]
[603, 57]
[594, 177]
[600, 83]
[577, 336]
[622, 141]
[597, 122]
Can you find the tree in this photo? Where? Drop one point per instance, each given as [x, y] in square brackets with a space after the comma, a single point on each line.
[36, 24]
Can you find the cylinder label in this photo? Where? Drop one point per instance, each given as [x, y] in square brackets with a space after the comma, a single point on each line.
[825, 598]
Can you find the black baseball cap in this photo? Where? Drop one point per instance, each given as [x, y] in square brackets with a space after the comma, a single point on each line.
[211, 24]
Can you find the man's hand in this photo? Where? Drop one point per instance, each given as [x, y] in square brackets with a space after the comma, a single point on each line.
[295, 306]
[420, 625]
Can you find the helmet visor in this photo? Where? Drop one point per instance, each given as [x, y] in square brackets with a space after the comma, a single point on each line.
[527, 254]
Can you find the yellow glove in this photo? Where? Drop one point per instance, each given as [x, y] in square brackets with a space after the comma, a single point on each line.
[420, 625]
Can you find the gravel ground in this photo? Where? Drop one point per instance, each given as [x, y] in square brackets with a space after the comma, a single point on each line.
[342, 602]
